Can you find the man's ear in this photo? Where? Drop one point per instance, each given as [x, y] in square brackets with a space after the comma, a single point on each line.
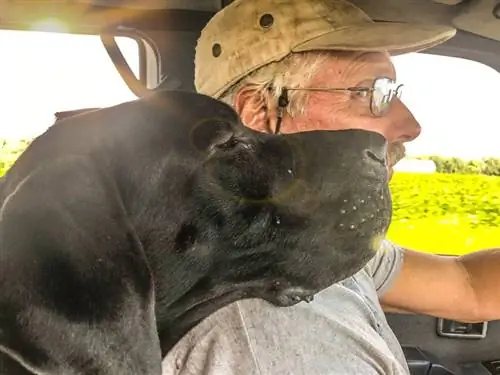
[256, 108]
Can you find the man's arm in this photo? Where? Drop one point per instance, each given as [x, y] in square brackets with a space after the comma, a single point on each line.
[465, 288]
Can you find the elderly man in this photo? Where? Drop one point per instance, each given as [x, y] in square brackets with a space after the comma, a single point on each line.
[298, 65]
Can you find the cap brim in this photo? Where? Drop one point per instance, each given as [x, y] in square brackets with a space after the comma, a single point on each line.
[393, 37]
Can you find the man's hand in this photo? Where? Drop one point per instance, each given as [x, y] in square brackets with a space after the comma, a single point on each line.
[465, 288]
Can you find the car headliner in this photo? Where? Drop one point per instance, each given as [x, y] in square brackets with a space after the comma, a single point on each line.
[478, 36]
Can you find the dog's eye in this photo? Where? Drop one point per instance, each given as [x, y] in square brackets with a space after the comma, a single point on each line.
[229, 144]
[232, 143]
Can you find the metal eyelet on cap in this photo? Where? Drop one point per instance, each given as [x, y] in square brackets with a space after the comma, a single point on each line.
[216, 50]
[266, 21]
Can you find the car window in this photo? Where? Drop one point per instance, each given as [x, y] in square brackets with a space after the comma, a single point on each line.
[45, 72]
[446, 192]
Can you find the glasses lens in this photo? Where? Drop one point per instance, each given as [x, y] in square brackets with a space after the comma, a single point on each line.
[384, 90]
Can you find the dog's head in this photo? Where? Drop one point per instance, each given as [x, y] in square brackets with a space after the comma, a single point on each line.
[275, 216]
[298, 212]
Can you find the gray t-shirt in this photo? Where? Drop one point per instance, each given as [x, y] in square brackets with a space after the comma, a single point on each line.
[343, 331]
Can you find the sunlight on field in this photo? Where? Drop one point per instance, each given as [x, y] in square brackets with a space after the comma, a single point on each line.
[445, 213]
[443, 235]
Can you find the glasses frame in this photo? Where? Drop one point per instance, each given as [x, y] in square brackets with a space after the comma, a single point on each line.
[377, 108]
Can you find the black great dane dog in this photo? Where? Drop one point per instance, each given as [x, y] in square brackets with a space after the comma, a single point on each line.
[122, 228]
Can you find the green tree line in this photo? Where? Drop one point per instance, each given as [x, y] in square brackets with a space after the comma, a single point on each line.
[485, 166]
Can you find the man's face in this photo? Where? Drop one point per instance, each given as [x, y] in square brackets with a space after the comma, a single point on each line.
[327, 110]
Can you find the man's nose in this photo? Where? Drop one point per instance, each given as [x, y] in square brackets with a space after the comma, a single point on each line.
[402, 125]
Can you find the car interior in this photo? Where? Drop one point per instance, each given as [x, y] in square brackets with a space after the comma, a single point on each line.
[167, 31]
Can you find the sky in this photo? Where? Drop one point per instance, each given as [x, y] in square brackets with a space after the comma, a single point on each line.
[455, 100]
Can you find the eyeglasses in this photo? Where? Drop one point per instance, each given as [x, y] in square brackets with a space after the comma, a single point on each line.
[383, 91]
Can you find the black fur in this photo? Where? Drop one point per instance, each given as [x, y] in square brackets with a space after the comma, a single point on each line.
[124, 227]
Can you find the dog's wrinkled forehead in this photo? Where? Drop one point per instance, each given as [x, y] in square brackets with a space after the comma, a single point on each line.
[210, 122]
[206, 110]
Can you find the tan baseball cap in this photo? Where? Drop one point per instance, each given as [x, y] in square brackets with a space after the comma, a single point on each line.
[248, 34]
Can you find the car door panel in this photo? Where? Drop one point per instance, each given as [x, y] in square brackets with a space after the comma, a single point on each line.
[429, 353]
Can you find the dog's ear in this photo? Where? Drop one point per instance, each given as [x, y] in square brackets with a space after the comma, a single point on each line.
[76, 293]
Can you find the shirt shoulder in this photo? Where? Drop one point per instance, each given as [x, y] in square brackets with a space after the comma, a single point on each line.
[385, 266]
[331, 335]
[217, 345]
